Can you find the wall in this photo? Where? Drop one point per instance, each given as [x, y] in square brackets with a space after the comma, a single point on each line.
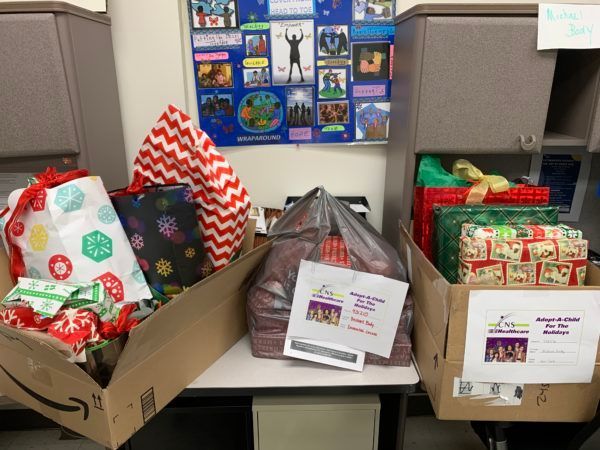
[153, 60]
[154, 68]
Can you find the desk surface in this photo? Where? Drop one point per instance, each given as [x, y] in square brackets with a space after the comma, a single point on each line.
[237, 372]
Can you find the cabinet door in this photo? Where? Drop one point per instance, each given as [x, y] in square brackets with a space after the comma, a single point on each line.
[483, 85]
[316, 430]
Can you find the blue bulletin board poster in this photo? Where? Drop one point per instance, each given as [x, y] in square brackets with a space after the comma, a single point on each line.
[293, 71]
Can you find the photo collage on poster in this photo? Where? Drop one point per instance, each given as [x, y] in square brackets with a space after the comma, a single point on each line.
[293, 71]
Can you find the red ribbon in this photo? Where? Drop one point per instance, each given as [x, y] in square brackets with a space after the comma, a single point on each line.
[109, 330]
[135, 187]
[45, 180]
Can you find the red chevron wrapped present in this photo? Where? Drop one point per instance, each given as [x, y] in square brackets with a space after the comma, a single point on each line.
[176, 151]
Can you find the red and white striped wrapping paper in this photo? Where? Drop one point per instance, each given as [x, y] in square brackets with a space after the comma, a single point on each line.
[176, 151]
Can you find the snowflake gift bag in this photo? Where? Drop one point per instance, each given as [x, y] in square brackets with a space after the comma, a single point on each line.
[176, 151]
[162, 227]
[64, 228]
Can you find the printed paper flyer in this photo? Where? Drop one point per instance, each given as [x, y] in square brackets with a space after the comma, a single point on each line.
[345, 307]
[535, 336]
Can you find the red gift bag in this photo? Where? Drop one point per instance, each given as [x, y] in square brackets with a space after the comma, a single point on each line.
[176, 151]
[426, 197]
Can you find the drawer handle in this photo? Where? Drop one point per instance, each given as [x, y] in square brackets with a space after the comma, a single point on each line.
[528, 143]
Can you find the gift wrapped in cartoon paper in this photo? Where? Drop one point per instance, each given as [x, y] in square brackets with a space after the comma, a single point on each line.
[550, 262]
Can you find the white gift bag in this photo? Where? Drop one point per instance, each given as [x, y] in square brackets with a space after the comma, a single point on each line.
[71, 232]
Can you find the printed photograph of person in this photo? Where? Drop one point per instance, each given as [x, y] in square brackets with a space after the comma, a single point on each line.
[217, 105]
[506, 350]
[370, 61]
[332, 113]
[299, 101]
[372, 10]
[332, 83]
[293, 52]
[324, 313]
[333, 40]
[372, 121]
[210, 14]
[256, 45]
[256, 77]
[215, 75]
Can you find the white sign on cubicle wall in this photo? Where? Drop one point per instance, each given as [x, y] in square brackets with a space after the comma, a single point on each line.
[532, 336]
[568, 26]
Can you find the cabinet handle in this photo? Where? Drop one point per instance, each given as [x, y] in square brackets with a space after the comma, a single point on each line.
[528, 143]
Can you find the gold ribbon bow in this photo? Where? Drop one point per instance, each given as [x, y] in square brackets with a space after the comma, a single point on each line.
[467, 171]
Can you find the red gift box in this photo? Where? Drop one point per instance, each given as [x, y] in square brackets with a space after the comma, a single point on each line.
[334, 251]
[426, 197]
[556, 262]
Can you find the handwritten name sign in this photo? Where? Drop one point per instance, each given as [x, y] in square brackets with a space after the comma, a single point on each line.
[568, 26]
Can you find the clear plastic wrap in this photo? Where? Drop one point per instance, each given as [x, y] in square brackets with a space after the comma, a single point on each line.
[301, 234]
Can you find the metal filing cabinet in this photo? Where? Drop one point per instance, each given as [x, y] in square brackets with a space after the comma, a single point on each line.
[316, 422]
[59, 102]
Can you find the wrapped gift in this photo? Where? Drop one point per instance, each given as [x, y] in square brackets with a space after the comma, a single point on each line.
[333, 251]
[64, 228]
[47, 298]
[24, 318]
[560, 262]
[520, 231]
[162, 227]
[176, 151]
[449, 219]
[435, 186]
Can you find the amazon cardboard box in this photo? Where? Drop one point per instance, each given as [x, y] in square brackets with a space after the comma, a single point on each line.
[439, 344]
[163, 355]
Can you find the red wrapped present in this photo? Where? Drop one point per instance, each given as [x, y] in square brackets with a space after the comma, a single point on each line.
[486, 189]
[24, 318]
[560, 262]
[76, 328]
[334, 251]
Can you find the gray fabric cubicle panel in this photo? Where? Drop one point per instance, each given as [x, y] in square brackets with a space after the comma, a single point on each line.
[35, 104]
[58, 90]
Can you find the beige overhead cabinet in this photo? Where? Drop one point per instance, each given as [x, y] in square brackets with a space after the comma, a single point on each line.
[481, 84]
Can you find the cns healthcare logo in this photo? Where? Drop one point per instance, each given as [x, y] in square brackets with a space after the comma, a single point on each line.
[507, 325]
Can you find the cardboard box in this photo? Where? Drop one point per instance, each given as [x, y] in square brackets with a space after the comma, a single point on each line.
[439, 344]
[540, 402]
[162, 357]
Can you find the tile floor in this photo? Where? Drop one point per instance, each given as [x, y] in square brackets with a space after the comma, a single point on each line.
[422, 433]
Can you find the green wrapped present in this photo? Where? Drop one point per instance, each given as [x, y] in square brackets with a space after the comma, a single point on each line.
[48, 297]
[448, 222]
[520, 231]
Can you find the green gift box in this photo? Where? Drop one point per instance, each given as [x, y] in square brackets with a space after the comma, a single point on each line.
[448, 222]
